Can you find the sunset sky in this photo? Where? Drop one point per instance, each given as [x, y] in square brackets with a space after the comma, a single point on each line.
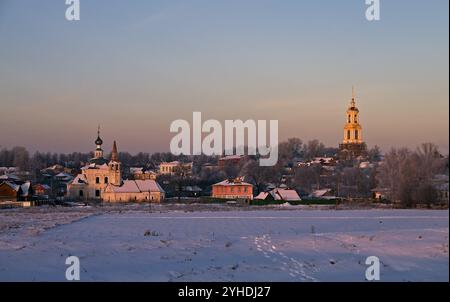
[135, 66]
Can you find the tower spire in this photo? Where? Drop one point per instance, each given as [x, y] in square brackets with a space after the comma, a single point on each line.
[353, 103]
[114, 155]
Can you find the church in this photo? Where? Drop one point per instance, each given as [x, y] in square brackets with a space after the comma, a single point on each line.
[352, 146]
[100, 180]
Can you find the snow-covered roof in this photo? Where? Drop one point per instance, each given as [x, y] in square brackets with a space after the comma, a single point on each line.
[134, 170]
[11, 185]
[79, 180]
[136, 186]
[321, 193]
[287, 194]
[229, 182]
[280, 194]
[63, 175]
[262, 196]
[95, 166]
[9, 176]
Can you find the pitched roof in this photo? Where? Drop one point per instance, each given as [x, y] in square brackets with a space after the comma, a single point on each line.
[286, 194]
[79, 180]
[136, 186]
[229, 182]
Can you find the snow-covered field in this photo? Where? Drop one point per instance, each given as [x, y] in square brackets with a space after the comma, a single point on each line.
[218, 244]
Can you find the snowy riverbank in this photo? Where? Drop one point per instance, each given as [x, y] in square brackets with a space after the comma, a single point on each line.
[217, 243]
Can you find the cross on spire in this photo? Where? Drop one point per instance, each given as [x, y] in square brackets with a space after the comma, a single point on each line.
[353, 103]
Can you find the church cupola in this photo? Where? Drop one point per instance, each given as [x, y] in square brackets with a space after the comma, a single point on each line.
[98, 143]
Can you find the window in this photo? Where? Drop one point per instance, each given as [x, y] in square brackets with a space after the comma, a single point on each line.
[106, 180]
[97, 180]
[97, 193]
[356, 134]
[349, 119]
[356, 119]
[348, 134]
[81, 193]
[245, 189]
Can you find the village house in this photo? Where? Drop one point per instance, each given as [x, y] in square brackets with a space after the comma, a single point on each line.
[10, 191]
[170, 168]
[325, 194]
[143, 174]
[42, 190]
[279, 194]
[233, 189]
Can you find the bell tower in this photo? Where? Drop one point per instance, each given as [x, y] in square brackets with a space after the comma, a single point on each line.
[352, 145]
[352, 128]
[115, 177]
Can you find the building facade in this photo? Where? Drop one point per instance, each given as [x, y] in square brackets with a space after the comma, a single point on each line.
[171, 168]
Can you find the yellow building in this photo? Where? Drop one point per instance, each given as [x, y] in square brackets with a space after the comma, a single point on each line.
[352, 144]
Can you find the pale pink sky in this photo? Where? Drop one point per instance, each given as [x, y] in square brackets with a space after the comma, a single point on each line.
[134, 68]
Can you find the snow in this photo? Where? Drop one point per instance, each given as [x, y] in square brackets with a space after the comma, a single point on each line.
[222, 243]
[137, 186]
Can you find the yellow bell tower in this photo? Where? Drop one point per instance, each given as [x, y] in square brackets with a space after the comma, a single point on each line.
[352, 144]
[352, 129]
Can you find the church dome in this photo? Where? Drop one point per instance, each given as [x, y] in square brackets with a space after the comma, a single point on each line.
[99, 141]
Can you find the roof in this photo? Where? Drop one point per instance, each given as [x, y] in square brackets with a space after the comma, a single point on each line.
[321, 193]
[103, 166]
[228, 182]
[11, 185]
[136, 186]
[63, 175]
[280, 194]
[80, 180]
[262, 195]
[98, 161]
[9, 176]
[286, 194]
